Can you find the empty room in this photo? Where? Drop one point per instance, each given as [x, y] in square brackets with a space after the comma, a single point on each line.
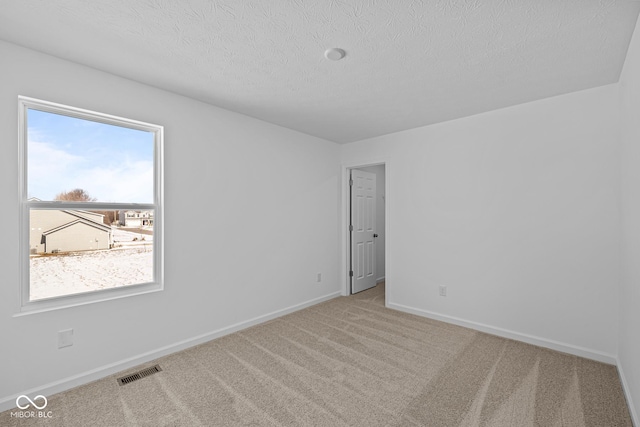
[330, 213]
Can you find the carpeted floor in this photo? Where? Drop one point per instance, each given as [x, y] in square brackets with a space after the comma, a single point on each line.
[352, 362]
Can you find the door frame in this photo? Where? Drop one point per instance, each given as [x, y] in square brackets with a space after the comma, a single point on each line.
[344, 225]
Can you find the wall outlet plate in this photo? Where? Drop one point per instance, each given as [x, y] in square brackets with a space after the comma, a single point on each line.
[443, 291]
[65, 338]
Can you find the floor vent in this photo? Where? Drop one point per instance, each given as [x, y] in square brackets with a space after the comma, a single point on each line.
[140, 374]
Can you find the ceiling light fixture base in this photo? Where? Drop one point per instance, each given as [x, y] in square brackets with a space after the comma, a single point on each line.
[334, 54]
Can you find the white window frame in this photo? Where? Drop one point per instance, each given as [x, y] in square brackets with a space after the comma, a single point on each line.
[27, 306]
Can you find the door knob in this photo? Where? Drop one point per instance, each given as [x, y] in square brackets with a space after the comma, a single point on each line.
[375, 235]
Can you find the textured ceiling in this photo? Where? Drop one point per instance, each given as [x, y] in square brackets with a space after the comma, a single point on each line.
[409, 63]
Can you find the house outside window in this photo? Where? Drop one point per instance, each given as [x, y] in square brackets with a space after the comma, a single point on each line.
[91, 206]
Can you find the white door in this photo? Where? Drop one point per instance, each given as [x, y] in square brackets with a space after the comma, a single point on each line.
[363, 220]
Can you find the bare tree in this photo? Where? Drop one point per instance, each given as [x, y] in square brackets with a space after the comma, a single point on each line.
[109, 217]
[76, 195]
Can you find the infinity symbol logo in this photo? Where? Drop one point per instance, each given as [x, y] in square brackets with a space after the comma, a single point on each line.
[31, 401]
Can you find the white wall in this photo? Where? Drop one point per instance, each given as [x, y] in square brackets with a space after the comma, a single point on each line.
[268, 197]
[379, 170]
[629, 334]
[516, 212]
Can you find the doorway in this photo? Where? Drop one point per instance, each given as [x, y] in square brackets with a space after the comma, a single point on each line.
[365, 227]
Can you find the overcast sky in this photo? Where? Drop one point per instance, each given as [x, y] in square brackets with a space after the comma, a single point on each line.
[111, 163]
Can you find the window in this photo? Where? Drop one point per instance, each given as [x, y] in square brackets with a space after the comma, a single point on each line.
[91, 206]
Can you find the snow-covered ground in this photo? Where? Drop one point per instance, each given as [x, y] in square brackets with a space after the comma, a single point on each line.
[124, 237]
[129, 263]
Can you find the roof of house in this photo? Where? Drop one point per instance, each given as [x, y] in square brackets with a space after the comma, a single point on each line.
[94, 224]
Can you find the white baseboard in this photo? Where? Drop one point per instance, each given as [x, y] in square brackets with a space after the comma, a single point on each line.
[505, 333]
[9, 402]
[627, 393]
[379, 280]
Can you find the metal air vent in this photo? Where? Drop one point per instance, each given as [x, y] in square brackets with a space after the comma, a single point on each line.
[140, 374]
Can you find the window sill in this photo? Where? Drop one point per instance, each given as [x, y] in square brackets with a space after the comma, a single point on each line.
[70, 301]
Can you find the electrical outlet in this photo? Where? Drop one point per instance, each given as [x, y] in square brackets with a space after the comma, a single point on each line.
[443, 291]
[319, 277]
[65, 338]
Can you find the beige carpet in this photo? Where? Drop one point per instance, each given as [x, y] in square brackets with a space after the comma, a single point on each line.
[352, 362]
